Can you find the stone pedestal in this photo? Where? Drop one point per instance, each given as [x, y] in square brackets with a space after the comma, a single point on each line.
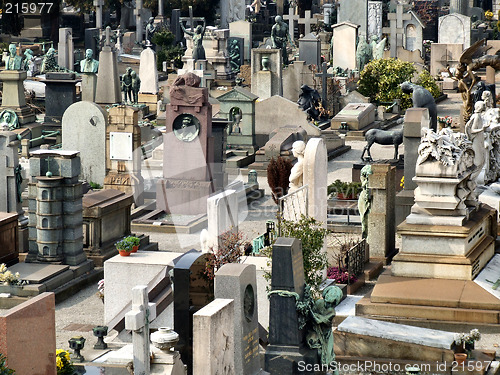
[13, 95]
[447, 251]
[108, 81]
[381, 227]
[89, 86]
[266, 73]
[151, 100]
[60, 93]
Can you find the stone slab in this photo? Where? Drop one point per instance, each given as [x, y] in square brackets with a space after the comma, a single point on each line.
[348, 306]
[490, 272]
[397, 332]
[37, 273]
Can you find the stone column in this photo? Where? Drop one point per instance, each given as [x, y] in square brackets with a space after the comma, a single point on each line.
[13, 95]
[138, 21]
[381, 220]
[415, 120]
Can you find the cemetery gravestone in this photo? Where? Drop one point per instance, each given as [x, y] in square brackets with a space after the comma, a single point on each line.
[243, 29]
[60, 93]
[266, 73]
[108, 80]
[443, 55]
[291, 17]
[310, 49]
[315, 175]
[186, 179]
[192, 293]
[344, 39]
[459, 6]
[123, 153]
[453, 29]
[294, 76]
[307, 21]
[10, 174]
[213, 339]
[238, 282]
[354, 12]
[148, 73]
[175, 26]
[231, 11]
[92, 36]
[375, 19]
[65, 50]
[83, 121]
[13, 95]
[356, 115]
[222, 212]
[286, 342]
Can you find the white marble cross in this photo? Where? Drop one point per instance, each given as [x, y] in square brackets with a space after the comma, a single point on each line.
[137, 321]
[396, 29]
[98, 13]
[308, 20]
[291, 17]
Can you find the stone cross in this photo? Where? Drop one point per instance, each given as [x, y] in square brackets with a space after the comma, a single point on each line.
[98, 13]
[324, 83]
[396, 29]
[138, 321]
[138, 21]
[291, 17]
[307, 21]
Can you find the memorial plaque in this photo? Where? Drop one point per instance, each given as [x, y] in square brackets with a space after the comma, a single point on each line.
[120, 146]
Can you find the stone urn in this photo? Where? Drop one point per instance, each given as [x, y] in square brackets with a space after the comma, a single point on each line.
[165, 338]
[266, 63]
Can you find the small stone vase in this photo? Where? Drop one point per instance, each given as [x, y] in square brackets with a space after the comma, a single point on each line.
[266, 63]
[165, 338]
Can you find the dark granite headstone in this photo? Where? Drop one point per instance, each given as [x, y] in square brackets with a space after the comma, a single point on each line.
[192, 291]
[60, 93]
[287, 346]
[241, 46]
[92, 41]
[175, 26]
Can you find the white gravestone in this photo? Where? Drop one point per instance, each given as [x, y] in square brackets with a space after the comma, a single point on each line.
[65, 53]
[81, 122]
[222, 212]
[344, 45]
[454, 28]
[148, 72]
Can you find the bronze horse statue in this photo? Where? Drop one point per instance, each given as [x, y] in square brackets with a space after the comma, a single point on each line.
[382, 137]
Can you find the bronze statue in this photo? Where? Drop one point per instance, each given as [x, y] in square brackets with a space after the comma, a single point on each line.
[9, 119]
[88, 64]
[197, 35]
[280, 37]
[13, 62]
[150, 30]
[127, 86]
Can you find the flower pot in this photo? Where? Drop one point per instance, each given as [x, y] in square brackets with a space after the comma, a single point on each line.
[134, 249]
[124, 253]
[344, 197]
[460, 357]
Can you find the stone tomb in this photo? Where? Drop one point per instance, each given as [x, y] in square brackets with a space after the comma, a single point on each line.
[355, 12]
[357, 116]
[455, 29]
[123, 152]
[444, 54]
[192, 293]
[28, 330]
[310, 49]
[9, 238]
[106, 219]
[345, 35]
[213, 339]
[60, 94]
[55, 208]
[238, 282]
[238, 106]
[266, 72]
[81, 122]
[243, 29]
[13, 95]
[186, 182]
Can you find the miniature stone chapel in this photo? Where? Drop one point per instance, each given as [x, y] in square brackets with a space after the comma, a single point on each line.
[250, 187]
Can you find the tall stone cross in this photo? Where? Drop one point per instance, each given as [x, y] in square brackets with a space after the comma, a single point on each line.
[137, 321]
[307, 21]
[396, 29]
[324, 82]
[138, 21]
[291, 17]
[98, 13]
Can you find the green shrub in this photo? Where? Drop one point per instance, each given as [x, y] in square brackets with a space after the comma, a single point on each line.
[427, 81]
[4, 370]
[380, 80]
[166, 50]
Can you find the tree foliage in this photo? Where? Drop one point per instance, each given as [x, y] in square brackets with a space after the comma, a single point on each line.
[380, 80]
[166, 50]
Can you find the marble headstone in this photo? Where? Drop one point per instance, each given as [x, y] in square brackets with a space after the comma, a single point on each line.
[148, 72]
[455, 28]
[81, 122]
[344, 39]
[356, 12]
[310, 49]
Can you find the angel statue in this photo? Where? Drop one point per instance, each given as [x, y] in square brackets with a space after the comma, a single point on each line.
[377, 47]
[363, 53]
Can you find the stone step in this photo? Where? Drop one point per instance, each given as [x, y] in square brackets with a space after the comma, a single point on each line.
[240, 161]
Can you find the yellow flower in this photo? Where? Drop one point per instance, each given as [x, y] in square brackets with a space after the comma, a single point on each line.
[402, 184]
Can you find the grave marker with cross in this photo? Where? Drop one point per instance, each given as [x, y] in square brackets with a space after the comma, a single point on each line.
[138, 321]
[324, 82]
[291, 17]
[8, 164]
[98, 13]
[138, 21]
[307, 21]
[396, 29]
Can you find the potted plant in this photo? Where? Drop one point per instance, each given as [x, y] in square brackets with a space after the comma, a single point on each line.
[124, 247]
[464, 342]
[344, 190]
[134, 241]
